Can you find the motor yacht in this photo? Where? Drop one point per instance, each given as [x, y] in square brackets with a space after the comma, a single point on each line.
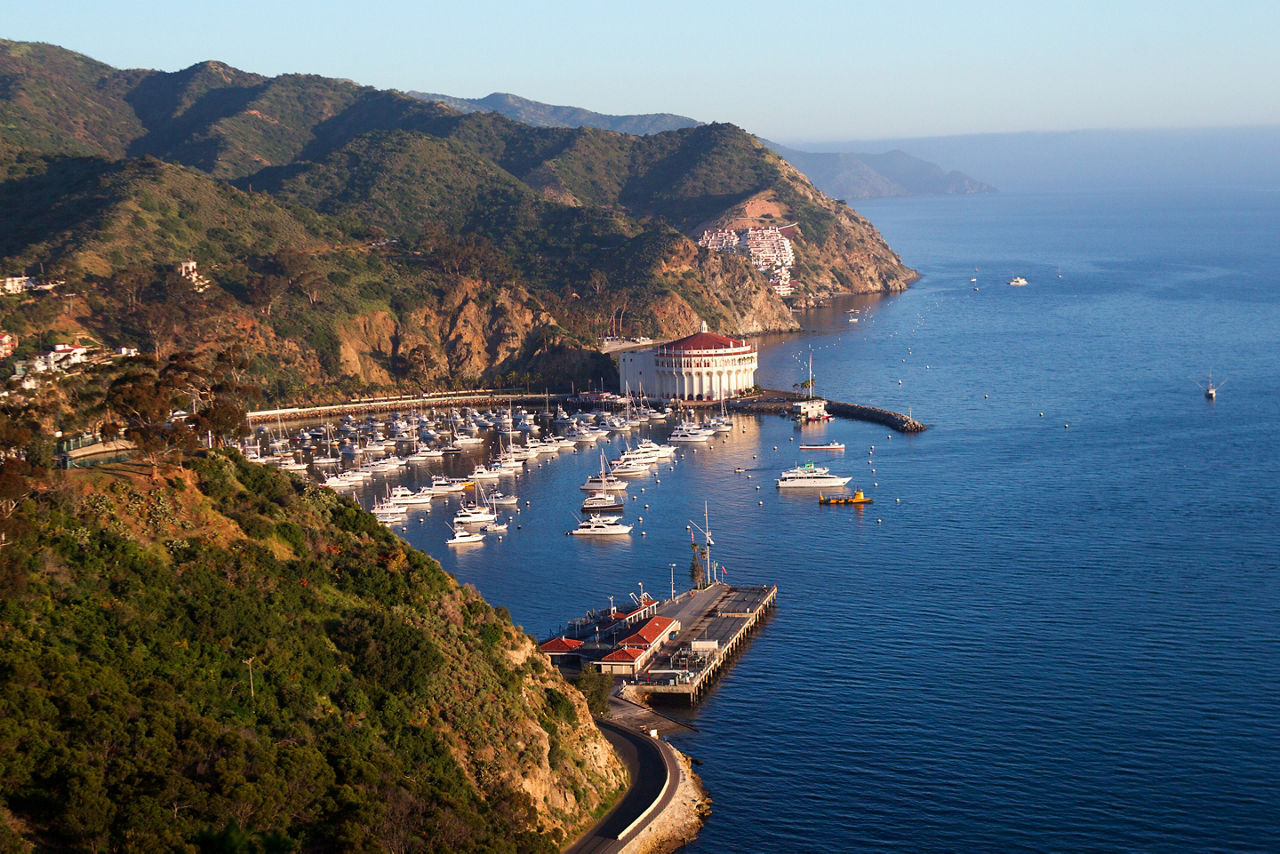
[810, 476]
[688, 432]
[602, 502]
[599, 526]
[461, 538]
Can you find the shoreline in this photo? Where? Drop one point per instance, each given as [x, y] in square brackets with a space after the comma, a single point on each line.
[680, 820]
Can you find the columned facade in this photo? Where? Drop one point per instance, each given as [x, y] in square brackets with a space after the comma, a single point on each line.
[702, 366]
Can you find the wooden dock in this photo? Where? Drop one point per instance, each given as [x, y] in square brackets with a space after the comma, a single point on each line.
[715, 623]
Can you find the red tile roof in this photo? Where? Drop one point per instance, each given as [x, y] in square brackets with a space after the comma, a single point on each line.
[560, 644]
[650, 632]
[625, 653]
[703, 341]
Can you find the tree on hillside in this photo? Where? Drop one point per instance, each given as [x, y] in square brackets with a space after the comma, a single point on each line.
[130, 284]
[265, 289]
[145, 397]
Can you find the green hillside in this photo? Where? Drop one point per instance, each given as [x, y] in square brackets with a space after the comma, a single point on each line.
[387, 709]
[361, 239]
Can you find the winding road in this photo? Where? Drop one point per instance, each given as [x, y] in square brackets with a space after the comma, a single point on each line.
[654, 774]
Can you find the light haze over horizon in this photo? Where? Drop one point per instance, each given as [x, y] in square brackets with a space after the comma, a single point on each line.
[811, 72]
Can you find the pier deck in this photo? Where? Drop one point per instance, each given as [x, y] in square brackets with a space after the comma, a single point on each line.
[715, 622]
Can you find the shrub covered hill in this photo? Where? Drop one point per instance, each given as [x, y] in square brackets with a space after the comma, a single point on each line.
[220, 656]
[352, 237]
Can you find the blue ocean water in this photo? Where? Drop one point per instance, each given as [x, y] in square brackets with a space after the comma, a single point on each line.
[1054, 631]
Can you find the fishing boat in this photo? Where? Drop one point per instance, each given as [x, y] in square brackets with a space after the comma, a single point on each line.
[809, 476]
[857, 498]
[829, 446]
[1211, 390]
[599, 526]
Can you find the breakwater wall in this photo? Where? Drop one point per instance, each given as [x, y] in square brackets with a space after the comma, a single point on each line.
[779, 403]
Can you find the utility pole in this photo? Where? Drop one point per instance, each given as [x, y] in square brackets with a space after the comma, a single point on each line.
[673, 579]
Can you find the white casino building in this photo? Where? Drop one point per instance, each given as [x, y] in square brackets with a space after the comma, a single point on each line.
[702, 366]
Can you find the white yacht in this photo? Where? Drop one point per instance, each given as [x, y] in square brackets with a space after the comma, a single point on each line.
[604, 483]
[386, 512]
[602, 502]
[809, 476]
[689, 432]
[664, 452]
[461, 537]
[599, 526]
[629, 468]
[1017, 281]
[442, 484]
[406, 496]
[474, 514]
[501, 499]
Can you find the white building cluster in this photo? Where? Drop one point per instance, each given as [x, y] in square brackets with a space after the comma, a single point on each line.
[768, 249]
[189, 271]
[702, 366]
[13, 285]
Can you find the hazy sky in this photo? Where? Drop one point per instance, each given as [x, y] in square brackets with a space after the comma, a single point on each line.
[786, 70]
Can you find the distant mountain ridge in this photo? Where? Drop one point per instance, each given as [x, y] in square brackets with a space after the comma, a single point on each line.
[848, 175]
[539, 114]
[844, 175]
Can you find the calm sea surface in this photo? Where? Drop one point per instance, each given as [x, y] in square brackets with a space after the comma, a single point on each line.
[1058, 627]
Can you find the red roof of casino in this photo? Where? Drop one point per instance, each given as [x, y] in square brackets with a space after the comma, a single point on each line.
[703, 341]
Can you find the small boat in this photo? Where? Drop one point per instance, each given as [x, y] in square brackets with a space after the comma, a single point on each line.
[856, 498]
[1211, 390]
[500, 499]
[829, 446]
[495, 527]
[599, 526]
[1017, 281]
